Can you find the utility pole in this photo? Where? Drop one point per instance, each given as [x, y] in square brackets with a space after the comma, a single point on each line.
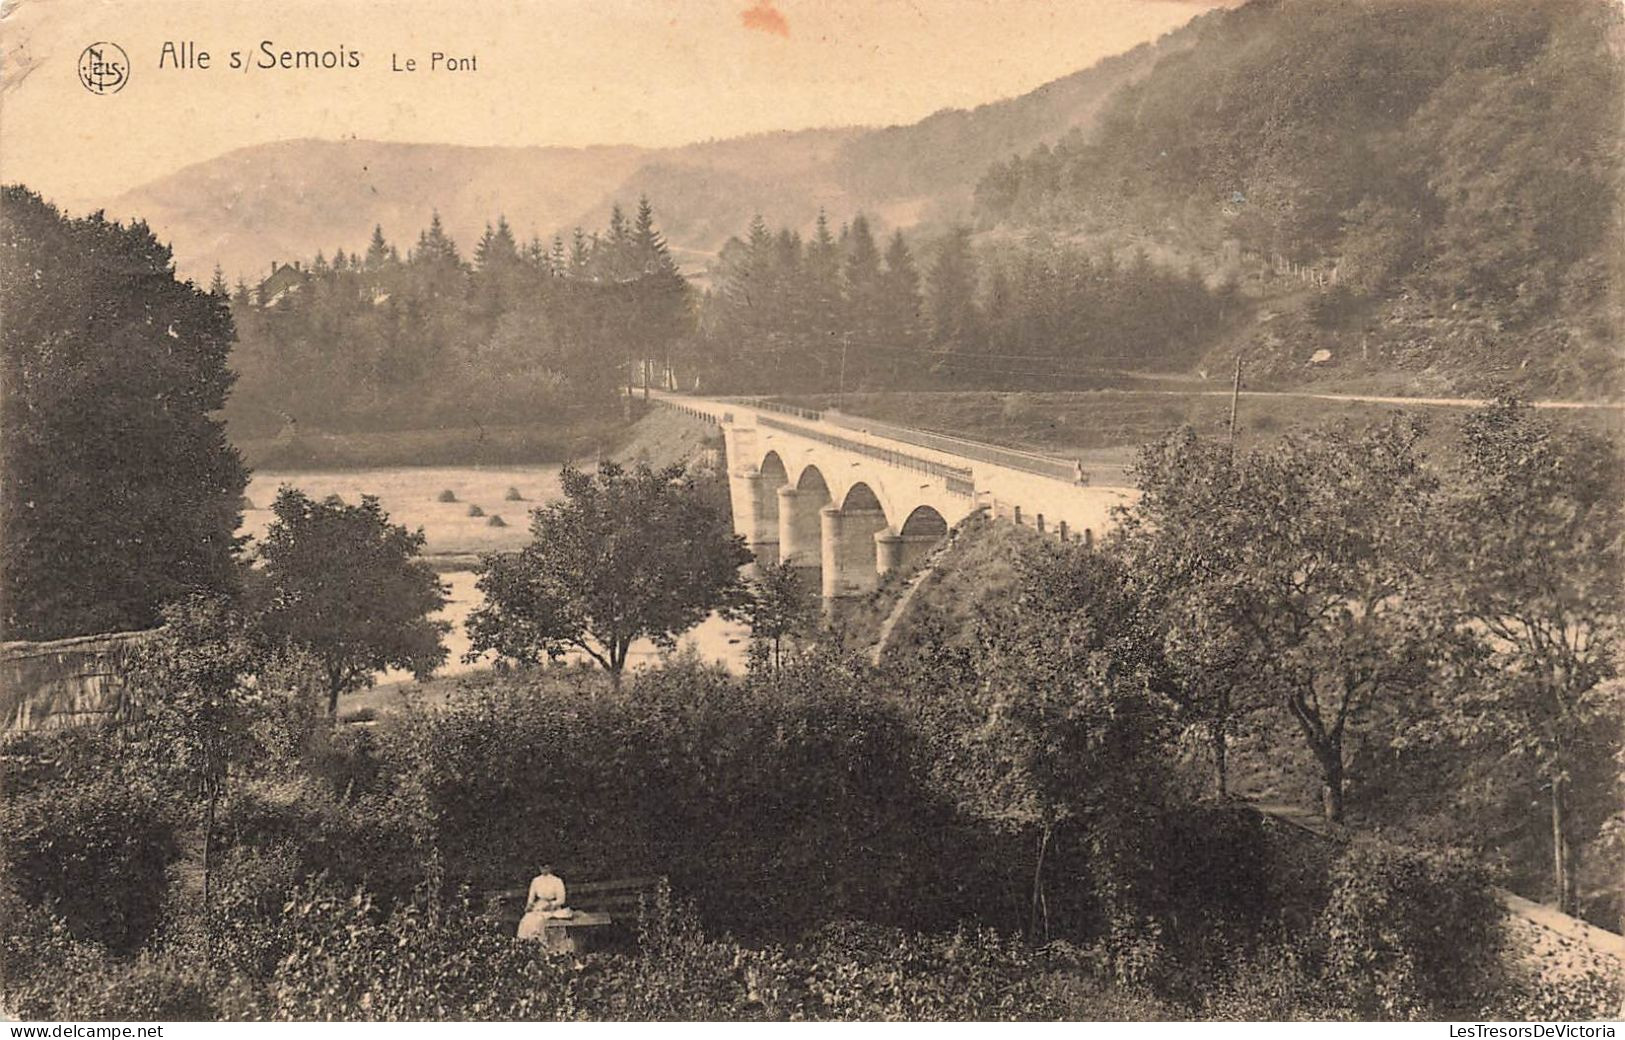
[840, 394]
[1235, 398]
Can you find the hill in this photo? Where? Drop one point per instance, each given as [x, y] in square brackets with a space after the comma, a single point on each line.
[250, 207]
[1419, 190]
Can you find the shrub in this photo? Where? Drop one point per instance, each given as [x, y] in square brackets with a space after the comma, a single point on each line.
[513, 495]
[1272, 983]
[48, 974]
[95, 851]
[364, 841]
[350, 764]
[1019, 408]
[691, 774]
[474, 510]
[448, 495]
[345, 960]
[1410, 933]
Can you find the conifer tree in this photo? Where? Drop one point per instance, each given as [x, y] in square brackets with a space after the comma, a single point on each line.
[950, 289]
[900, 296]
[379, 253]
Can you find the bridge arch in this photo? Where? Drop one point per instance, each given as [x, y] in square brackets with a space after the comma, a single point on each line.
[861, 496]
[811, 482]
[797, 504]
[851, 563]
[774, 473]
[908, 543]
[924, 520]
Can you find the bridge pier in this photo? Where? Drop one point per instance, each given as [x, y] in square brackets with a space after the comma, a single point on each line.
[849, 551]
[760, 525]
[800, 530]
[895, 551]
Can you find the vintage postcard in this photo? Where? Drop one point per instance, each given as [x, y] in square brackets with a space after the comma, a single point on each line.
[781, 510]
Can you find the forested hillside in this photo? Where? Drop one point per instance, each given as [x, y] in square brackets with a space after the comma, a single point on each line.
[427, 337]
[849, 310]
[1423, 186]
[279, 201]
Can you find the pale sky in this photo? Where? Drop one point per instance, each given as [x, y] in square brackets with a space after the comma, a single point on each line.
[550, 72]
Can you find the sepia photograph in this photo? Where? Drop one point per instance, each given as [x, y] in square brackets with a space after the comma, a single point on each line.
[952, 511]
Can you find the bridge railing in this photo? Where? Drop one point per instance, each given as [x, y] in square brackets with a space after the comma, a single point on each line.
[957, 479]
[763, 405]
[703, 414]
[1012, 458]
[977, 451]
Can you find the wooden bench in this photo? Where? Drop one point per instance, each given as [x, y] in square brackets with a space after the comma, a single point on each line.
[619, 898]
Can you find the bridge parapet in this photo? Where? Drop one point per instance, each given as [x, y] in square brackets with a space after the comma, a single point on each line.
[958, 479]
[977, 451]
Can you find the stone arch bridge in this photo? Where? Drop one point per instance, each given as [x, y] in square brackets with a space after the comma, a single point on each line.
[852, 499]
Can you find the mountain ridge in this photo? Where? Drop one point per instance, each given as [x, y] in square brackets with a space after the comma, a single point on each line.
[278, 201]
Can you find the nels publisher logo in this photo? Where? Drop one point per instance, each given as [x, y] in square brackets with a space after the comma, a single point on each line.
[104, 68]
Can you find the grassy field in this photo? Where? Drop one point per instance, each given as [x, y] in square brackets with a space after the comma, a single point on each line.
[411, 496]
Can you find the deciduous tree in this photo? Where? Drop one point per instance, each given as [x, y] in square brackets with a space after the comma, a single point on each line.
[200, 711]
[1309, 555]
[343, 584]
[1530, 553]
[777, 606]
[118, 488]
[626, 555]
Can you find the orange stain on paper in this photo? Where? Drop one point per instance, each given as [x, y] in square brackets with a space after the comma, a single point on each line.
[764, 17]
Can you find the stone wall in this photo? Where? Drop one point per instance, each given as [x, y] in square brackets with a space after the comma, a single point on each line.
[66, 682]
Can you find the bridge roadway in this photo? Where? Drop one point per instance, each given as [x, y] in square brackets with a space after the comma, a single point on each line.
[854, 499]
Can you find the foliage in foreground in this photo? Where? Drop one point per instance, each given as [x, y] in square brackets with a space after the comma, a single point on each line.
[120, 492]
[343, 894]
[320, 953]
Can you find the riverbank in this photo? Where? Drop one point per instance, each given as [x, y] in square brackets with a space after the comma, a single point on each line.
[553, 442]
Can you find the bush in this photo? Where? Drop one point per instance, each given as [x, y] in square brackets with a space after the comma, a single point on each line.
[48, 974]
[1272, 983]
[365, 841]
[1410, 933]
[513, 495]
[94, 850]
[475, 511]
[496, 521]
[447, 495]
[1019, 408]
[773, 805]
[350, 764]
[345, 961]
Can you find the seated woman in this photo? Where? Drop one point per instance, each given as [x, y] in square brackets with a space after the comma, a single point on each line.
[543, 903]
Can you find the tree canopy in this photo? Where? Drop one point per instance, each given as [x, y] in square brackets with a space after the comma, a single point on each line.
[343, 584]
[1304, 559]
[1530, 536]
[625, 555]
[118, 488]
